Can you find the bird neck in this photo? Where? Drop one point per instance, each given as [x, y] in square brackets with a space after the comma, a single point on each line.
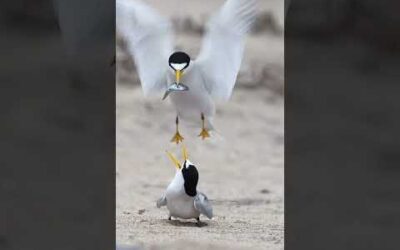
[191, 179]
[190, 188]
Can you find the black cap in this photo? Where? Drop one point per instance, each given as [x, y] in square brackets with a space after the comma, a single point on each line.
[179, 57]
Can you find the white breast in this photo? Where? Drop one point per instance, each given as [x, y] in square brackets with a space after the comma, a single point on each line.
[190, 104]
[179, 203]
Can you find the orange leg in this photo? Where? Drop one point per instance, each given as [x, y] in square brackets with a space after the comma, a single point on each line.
[204, 132]
[177, 138]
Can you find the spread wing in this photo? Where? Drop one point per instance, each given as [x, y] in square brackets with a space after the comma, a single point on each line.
[203, 205]
[149, 40]
[222, 50]
[162, 201]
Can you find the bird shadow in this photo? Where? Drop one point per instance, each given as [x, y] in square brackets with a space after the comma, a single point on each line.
[179, 223]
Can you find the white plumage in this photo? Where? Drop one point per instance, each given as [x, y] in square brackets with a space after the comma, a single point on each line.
[181, 197]
[212, 75]
[180, 205]
[149, 40]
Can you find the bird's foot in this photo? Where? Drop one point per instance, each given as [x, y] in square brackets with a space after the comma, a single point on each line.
[169, 218]
[199, 223]
[204, 134]
[177, 138]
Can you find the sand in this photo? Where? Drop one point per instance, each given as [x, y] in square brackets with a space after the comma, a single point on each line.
[241, 168]
[242, 173]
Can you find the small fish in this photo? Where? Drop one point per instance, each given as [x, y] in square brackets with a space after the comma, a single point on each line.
[175, 87]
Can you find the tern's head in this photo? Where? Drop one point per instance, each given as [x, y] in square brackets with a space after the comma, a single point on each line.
[188, 170]
[179, 61]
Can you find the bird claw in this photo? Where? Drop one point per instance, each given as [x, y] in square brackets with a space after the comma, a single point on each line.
[204, 134]
[177, 138]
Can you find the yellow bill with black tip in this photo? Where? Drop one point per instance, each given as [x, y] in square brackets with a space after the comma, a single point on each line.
[174, 160]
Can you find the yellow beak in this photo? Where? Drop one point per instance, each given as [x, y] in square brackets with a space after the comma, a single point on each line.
[184, 153]
[178, 75]
[174, 160]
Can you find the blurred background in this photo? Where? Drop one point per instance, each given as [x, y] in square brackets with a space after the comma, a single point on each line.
[58, 124]
[241, 170]
[341, 124]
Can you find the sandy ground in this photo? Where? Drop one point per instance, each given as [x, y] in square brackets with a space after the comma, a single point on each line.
[241, 169]
[242, 173]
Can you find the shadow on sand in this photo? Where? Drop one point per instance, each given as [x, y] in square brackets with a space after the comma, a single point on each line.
[179, 223]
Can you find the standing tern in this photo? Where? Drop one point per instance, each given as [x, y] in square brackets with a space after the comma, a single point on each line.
[181, 197]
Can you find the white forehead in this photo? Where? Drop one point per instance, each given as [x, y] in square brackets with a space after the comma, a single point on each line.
[178, 66]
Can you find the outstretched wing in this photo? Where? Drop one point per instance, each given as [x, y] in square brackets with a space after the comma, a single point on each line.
[203, 205]
[222, 50]
[162, 201]
[149, 40]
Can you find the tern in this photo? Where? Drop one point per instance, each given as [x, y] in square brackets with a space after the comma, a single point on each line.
[191, 84]
[181, 197]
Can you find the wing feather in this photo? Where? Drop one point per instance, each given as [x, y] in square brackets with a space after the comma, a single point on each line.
[222, 50]
[149, 40]
[162, 201]
[203, 205]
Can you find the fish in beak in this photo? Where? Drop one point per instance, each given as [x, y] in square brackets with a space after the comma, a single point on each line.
[177, 86]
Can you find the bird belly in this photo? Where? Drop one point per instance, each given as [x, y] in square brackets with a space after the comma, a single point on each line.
[190, 104]
[181, 205]
[189, 107]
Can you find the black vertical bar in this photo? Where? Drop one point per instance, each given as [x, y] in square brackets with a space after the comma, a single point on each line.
[57, 129]
[342, 143]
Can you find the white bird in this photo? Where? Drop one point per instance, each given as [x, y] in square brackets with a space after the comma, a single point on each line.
[181, 197]
[161, 69]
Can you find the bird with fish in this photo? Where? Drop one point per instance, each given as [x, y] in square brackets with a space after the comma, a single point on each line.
[191, 84]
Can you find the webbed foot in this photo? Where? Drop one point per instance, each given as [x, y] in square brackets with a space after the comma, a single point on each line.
[177, 138]
[204, 132]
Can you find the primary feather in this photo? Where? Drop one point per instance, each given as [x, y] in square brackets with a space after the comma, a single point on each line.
[222, 50]
[162, 201]
[149, 39]
[202, 205]
[212, 75]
